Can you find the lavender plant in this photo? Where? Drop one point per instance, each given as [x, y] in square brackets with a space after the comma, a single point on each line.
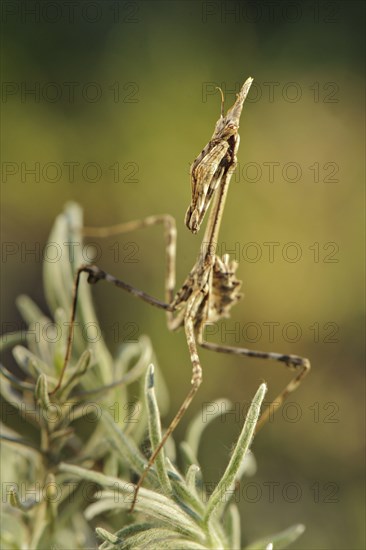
[68, 457]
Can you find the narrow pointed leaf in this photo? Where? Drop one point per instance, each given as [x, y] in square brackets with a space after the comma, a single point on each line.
[226, 483]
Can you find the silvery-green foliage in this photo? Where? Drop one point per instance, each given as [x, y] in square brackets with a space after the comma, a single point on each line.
[68, 455]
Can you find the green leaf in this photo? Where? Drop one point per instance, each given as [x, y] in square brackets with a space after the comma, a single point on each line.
[227, 481]
[155, 430]
[128, 452]
[232, 524]
[279, 540]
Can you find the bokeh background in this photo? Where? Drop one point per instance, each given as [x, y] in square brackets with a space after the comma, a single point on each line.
[123, 100]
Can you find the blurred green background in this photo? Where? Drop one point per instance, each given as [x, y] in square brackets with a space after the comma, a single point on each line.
[123, 101]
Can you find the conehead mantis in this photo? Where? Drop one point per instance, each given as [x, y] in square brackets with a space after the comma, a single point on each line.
[211, 288]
